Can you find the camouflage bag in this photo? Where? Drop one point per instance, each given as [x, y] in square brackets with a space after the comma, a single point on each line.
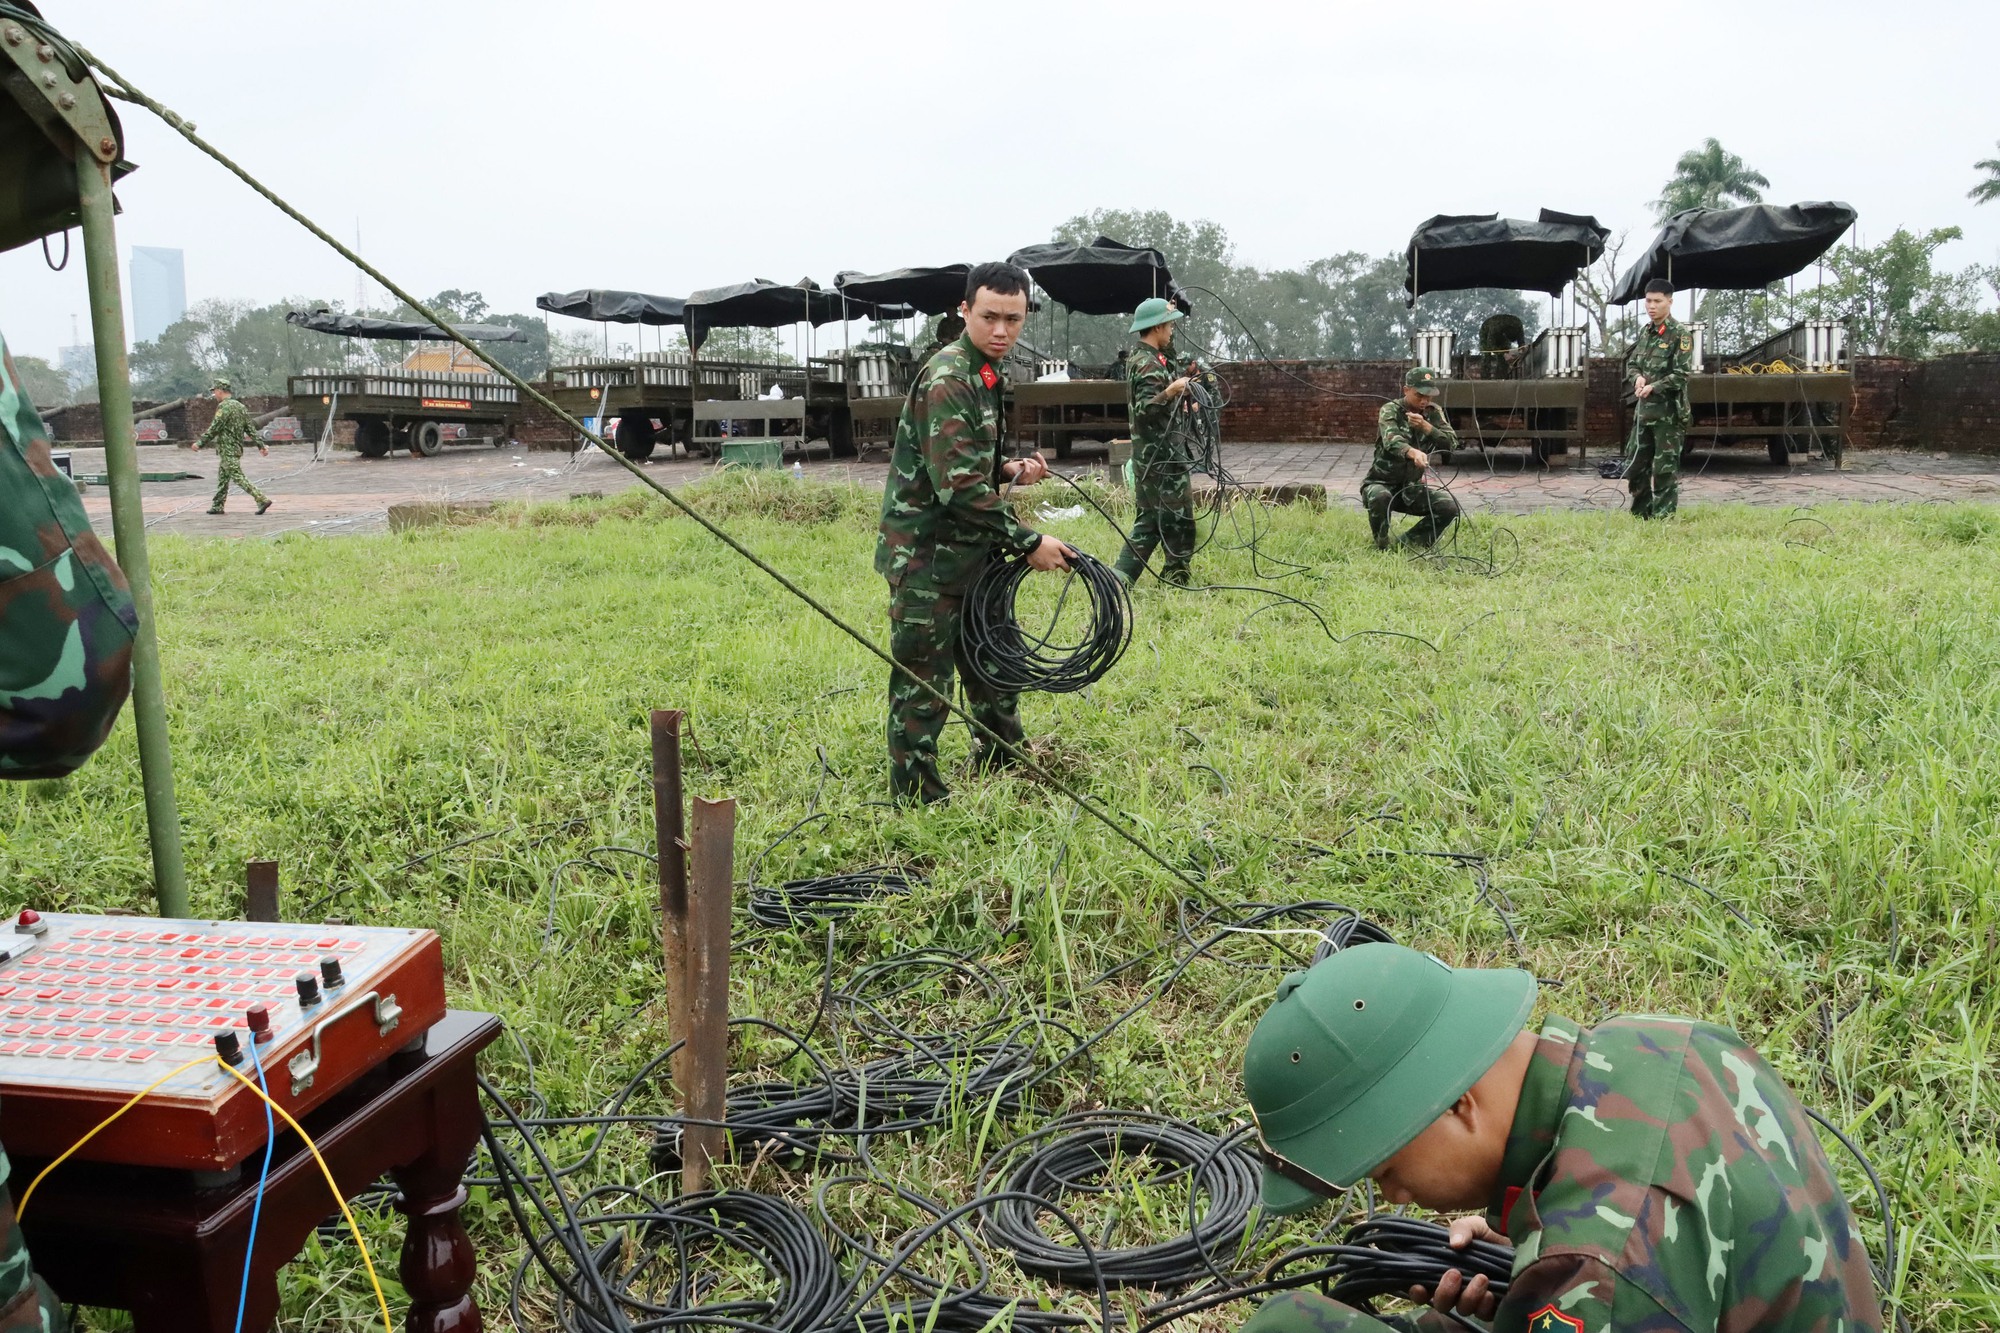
[67, 619]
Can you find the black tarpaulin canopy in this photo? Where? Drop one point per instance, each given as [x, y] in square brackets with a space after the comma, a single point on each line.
[610, 307]
[1458, 253]
[1106, 277]
[1736, 249]
[762, 304]
[323, 320]
[932, 291]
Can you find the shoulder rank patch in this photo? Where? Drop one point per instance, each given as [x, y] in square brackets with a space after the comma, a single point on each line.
[987, 377]
[1162, 356]
[1548, 1319]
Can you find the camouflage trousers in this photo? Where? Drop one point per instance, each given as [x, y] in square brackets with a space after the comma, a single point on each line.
[1165, 520]
[1653, 467]
[924, 636]
[1436, 507]
[1310, 1312]
[26, 1303]
[229, 469]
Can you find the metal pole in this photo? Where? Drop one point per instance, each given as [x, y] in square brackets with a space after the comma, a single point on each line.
[712, 881]
[128, 529]
[260, 880]
[670, 843]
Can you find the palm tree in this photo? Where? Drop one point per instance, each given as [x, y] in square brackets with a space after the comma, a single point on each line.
[1709, 177]
[1989, 189]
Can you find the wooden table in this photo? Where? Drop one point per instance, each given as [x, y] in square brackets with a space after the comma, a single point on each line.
[159, 1244]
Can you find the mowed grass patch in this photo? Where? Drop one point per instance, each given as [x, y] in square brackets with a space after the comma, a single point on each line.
[1638, 728]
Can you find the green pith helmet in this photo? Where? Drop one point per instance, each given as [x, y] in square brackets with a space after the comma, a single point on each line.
[1153, 312]
[1424, 380]
[1357, 1056]
[222, 385]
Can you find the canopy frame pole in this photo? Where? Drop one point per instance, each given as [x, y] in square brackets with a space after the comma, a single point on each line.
[128, 528]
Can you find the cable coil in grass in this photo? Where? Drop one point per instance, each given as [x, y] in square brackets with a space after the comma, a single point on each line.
[1007, 658]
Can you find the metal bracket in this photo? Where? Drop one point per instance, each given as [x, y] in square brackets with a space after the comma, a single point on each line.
[78, 104]
[306, 1063]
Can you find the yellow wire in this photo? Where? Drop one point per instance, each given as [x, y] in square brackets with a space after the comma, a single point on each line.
[339, 1198]
[22, 1207]
[367, 1260]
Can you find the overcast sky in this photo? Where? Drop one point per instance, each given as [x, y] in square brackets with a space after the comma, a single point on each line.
[516, 148]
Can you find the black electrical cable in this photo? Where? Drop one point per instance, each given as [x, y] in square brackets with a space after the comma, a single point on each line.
[828, 897]
[1009, 659]
[1387, 1255]
[1074, 1154]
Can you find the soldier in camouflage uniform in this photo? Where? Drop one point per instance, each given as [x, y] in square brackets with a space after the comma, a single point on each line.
[1659, 367]
[67, 622]
[1652, 1173]
[230, 430]
[1395, 480]
[1165, 516]
[944, 513]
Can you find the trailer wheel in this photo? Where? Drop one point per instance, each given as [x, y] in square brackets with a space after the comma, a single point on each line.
[635, 436]
[426, 438]
[371, 437]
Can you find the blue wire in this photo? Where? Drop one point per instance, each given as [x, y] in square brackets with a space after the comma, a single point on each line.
[257, 1207]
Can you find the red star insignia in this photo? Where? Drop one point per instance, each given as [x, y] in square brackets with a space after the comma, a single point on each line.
[987, 377]
[1548, 1319]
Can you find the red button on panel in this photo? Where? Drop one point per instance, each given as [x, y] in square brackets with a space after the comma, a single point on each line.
[62, 1052]
[136, 1057]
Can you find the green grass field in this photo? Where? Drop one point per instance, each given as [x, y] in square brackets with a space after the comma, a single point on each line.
[1801, 717]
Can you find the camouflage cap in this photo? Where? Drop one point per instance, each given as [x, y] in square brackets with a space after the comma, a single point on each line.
[221, 384]
[1358, 1055]
[1153, 312]
[1424, 380]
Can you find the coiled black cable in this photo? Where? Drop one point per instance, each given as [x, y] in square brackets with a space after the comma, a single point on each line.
[828, 897]
[1074, 1154]
[1007, 658]
[1387, 1255]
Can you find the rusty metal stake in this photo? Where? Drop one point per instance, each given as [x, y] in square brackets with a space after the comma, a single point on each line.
[670, 844]
[711, 887]
[261, 879]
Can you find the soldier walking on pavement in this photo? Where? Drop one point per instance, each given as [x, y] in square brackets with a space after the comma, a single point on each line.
[944, 514]
[1159, 475]
[1652, 1173]
[1395, 480]
[1659, 367]
[229, 432]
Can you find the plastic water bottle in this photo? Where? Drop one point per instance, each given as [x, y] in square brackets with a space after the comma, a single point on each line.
[798, 470]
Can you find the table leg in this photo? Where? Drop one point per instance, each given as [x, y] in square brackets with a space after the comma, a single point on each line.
[438, 1263]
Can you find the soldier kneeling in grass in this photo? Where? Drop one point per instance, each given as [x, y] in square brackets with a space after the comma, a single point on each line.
[1653, 1173]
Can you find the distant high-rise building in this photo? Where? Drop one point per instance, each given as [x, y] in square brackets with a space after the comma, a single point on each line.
[159, 291]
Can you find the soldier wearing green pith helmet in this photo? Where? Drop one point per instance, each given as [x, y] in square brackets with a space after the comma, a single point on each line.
[1652, 1173]
[1160, 481]
[1406, 429]
[229, 432]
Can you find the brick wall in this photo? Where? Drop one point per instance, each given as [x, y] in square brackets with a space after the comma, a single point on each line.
[1604, 422]
[1883, 414]
[83, 423]
[1283, 402]
[540, 428]
[1958, 403]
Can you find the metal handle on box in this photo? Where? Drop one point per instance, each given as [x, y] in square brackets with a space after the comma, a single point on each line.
[306, 1063]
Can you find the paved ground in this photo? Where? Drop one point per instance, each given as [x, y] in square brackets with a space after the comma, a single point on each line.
[347, 493]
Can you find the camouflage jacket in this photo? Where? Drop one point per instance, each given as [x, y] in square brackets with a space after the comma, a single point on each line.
[1665, 356]
[1659, 1176]
[67, 620]
[26, 1303]
[1394, 436]
[231, 427]
[942, 511]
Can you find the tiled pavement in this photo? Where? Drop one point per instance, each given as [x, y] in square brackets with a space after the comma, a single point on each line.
[347, 493]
